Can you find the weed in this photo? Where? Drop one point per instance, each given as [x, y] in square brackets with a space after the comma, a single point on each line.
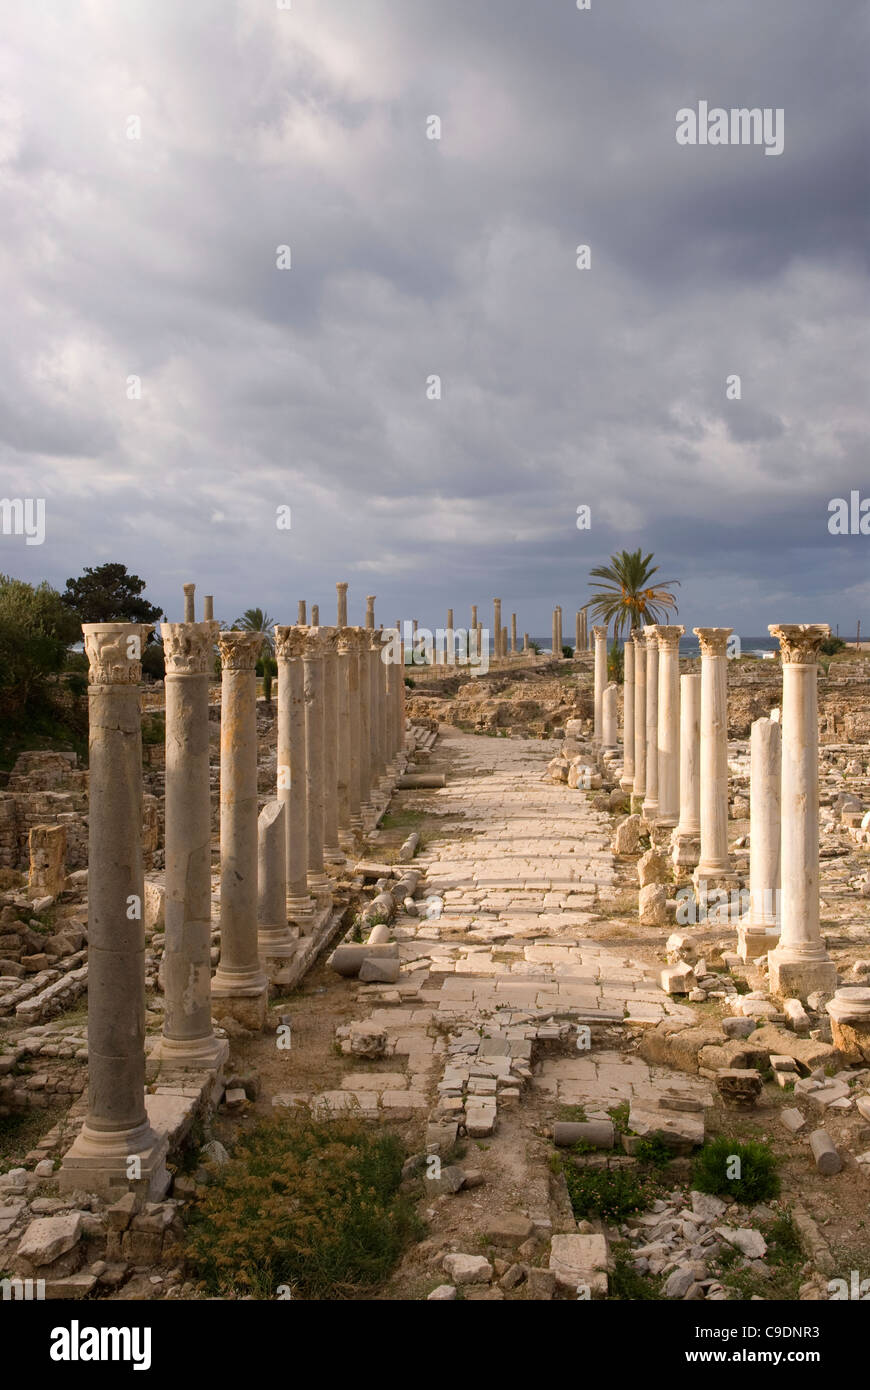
[745, 1171]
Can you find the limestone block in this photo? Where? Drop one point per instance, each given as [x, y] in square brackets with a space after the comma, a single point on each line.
[652, 905]
[48, 1237]
[380, 970]
[677, 979]
[557, 770]
[154, 906]
[467, 1269]
[653, 867]
[680, 947]
[626, 838]
[739, 1087]
[47, 848]
[579, 1261]
[680, 1130]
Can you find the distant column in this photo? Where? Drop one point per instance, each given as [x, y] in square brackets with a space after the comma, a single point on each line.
[627, 779]
[208, 608]
[513, 634]
[301, 620]
[714, 870]
[240, 987]
[332, 852]
[669, 727]
[315, 615]
[554, 642]
[600, 634]
[341, 590]
[639, 790]
[800, 964]
[370, 610]
[496, 626]
[312, 664]
[343, 660]
[686, 839]
[651, 796]
[292, 790]
[450, 640]
[189, 607]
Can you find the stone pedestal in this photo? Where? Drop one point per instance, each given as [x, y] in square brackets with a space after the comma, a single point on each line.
[639, 787]
[758, 931]
[240, 987]
[668, 729]
[627, 779]
[650, 806]
[276, 942]
[600, 680]
[686, 839]
[292, 792]
[799, 965]
[116, 1148]
[714, 870]
[188, 1039]
[850, 1022]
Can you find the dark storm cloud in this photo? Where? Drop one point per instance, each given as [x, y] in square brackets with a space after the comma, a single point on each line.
[261, 127]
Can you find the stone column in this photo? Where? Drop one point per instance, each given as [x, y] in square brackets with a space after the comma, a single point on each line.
[686, 840]
[188, 1038]
[668, 729]
[554, 640]
[559, 627]
[609, 718]
[504, 642]
[301, 620]
[525, 643]
[312, 665]
[496, 626]
[800, 965]
[650, 807]
[626, 781]
[450, 640]
[341, 590]
[365, 726]
[116, 1128]
[513, 634]
[350, 641]
[189, 607]
[480, 642]
[759, 928]
[343, 661]
[275, 940]
[714, 870]
[374, 673]
[208, 608]
[292, 792]
[639, 789]
[600, 634]
[332, 852]
[370, 610]
[315, 615]
[240, 987]
[473, 627]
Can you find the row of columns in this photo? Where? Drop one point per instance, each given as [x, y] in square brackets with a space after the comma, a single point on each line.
[341, 734]
[676, 768]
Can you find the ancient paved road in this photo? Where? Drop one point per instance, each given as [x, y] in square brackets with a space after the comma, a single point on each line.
[511, 963]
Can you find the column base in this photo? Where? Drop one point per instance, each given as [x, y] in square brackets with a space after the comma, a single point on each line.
[335, 856]
[626, 783]
[240, 1001]
[713, 877]
[191, 1054]
[660, 833]
[100, 1162]
[754, 940]
[318, 881]
[278, 947]
[685, 848]
[794, 975]
[849, 1012]
[637, 803]
[649, 810]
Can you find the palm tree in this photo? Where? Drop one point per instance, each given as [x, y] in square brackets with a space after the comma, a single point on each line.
[255, 620]
[626, 596]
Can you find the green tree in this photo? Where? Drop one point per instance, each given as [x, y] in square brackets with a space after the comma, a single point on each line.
[626, 596]
[36, 628]
[255, 620]
[108, 594]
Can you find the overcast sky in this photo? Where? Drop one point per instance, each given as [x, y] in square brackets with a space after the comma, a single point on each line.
[306, 387]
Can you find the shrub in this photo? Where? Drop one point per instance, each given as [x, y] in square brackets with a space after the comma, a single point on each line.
[757, 1180]
[831, 645]
[313, 1205]
[614, 1194]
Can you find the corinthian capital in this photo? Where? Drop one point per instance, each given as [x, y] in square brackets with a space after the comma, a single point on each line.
[669, 635]
[799, 643]
[114, 652]
[290, 643]
[189, 648]
[713, 640]
[239, 650]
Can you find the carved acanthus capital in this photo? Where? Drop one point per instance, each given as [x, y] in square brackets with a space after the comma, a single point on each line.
[114, 651]
[599, 633]
[239, 650]
[669, 635]
[800, 643]
[638, 639]
[290, 642]
[189, 648]
[713, 640]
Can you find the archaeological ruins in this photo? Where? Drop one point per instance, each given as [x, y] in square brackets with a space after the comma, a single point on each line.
[521, 909]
